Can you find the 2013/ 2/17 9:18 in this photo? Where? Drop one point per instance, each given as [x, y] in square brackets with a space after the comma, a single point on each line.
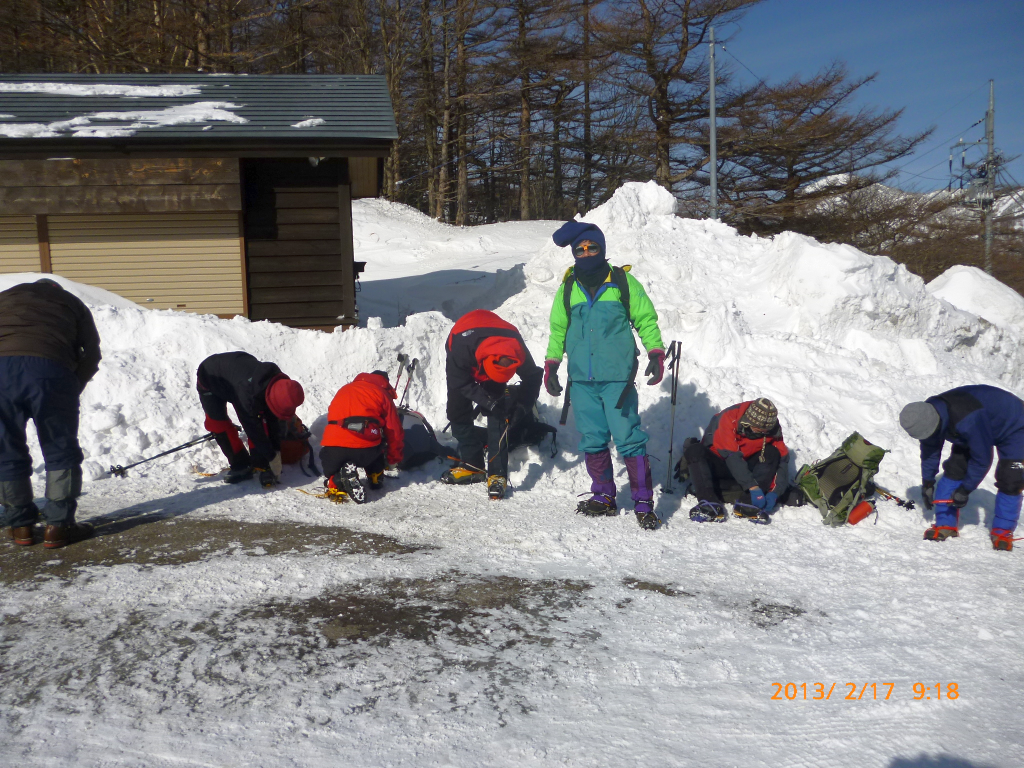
[922, 691]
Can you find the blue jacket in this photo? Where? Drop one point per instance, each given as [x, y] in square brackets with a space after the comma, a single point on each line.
[979, 418]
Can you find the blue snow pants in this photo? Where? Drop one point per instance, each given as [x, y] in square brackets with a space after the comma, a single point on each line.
[45, 391]
[598, 420]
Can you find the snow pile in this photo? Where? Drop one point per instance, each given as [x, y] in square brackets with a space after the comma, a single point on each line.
[974, 291]
[416, 264]
[90, 294]
[838, 339]
[309, 122]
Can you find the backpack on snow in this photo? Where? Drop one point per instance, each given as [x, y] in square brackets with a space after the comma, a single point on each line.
[295, 445]
[836, 485]
[421, 443]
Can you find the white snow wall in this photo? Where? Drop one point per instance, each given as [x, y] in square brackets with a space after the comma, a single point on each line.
[840, 340]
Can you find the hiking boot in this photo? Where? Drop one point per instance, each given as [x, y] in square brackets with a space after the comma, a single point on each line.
[496, 487]
[238, 475]
[348, 481]
[648, 520]
[58, 536]
[598, 505]
[376, 480]
[460, 474]
[708, 512]
[333, 492]
[751, 513]
[1002, 540]
[941, 533]
[22, 535]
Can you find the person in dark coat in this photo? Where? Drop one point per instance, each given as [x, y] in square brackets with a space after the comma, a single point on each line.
[261, 396]
[484, 352]
[363, 430]
[49, 351]
[975, 419]
[742, 450]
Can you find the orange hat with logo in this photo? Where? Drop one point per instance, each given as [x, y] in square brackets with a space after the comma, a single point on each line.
[499, 357]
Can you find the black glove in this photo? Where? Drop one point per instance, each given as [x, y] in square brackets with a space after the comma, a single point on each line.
[551, 384]
[928, 494]
[960, 497]
[681, 471]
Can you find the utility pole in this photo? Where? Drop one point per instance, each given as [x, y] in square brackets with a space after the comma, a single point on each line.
[989, 195]
[714, 137]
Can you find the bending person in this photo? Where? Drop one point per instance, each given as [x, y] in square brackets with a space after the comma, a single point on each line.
[49, 351]
[975, 419]
[484, 353]
[261, 396]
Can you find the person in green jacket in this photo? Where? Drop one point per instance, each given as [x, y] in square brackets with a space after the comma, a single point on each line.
[593, 329]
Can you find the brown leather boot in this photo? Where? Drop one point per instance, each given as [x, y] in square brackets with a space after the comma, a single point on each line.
[22, 535]
[58, 536]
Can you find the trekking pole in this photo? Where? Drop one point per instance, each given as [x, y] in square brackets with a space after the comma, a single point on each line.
[409, 369]
[119, 471]
[401, 366]
[673, 362]
[885, 494]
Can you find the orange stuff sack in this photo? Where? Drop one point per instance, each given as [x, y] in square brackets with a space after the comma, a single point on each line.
[860, 511]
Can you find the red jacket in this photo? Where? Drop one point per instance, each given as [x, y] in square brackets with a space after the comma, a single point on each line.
[724, 439]
[727, 438]
[369, 395]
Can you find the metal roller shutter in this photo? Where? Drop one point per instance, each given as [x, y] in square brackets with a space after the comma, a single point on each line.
[19, 244]
[186, 261]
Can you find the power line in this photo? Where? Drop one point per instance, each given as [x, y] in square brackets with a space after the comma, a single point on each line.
[760, 80]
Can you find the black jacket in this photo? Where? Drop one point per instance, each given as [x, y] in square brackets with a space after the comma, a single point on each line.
[44, 320]
[240, 379]
[462, 363]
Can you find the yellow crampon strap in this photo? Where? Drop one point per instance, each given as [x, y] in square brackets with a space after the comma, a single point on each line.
[331, 494]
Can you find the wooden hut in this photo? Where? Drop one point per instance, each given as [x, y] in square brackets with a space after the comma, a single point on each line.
[223, 194]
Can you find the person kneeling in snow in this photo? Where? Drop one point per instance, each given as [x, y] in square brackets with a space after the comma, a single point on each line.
[975, 419]
[742, 451]
[363, 430]
[49, 350]
[484, 352]
[261, 396]
[591, 325]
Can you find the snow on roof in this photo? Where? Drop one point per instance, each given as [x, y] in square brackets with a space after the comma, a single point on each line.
[64, 114]
[83, 126]
[101, 89]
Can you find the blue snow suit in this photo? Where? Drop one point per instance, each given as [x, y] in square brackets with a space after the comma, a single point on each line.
[976, 419]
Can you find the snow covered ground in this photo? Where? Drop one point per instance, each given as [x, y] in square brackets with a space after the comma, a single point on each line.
[217, 625]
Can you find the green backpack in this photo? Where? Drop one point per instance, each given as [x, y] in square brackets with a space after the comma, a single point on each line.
[837, 484]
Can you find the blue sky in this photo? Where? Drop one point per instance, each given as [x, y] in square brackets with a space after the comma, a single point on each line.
[933, 57]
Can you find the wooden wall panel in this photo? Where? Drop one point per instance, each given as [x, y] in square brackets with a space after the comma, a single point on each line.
[118, 172]
[362, 173]
[154, 198]
[19, 246]
[190, 262]
[119, 186]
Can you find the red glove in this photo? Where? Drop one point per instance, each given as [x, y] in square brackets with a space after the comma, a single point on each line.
[551, 384]
[656, 366]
